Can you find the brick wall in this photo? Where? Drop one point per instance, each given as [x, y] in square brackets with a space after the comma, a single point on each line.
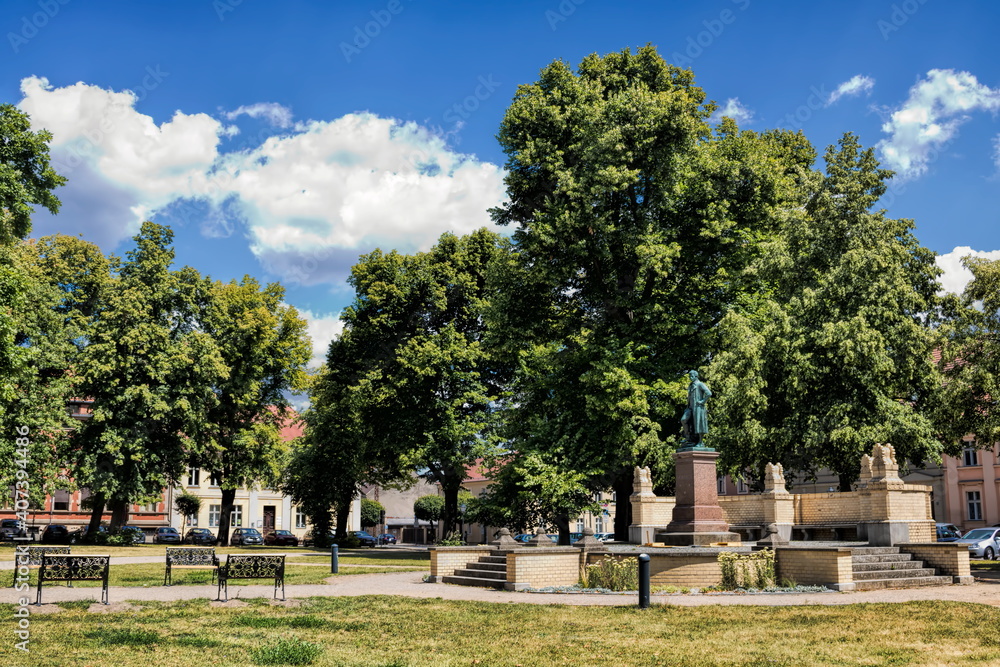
[813, 508]
[815, 566]
[677, 569]
[742, 510]
[537, 568]
[949, 559]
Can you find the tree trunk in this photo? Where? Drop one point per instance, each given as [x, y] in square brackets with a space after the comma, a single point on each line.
[623, 504]
[96, 514]
[343, 513]
[562, 523]
[450, 485]
[228, 498]
[119, 514]
[846, 480]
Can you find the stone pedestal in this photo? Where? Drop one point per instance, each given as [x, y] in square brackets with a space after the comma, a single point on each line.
[697, 517]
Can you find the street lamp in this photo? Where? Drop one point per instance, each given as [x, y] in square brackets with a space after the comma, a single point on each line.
[461, 521]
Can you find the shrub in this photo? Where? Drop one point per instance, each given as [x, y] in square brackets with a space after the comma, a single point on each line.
[286, 652]
[349, 541]
[452, 539]
[613, 574]
[747, 570]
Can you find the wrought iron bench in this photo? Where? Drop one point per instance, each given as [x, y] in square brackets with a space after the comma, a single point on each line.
[201, 558]
[32, 559]
[251, 567]
[57, 567]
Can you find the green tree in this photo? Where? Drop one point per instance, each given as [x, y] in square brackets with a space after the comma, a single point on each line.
[265, 348]
[187, 504]
[151, 373]
[633, 221]
[430, 387]
[371, 513]
[836, 354]
[428, 508]
[970, 361]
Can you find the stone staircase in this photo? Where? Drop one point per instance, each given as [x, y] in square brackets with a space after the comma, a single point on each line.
[886, 567]
[487, 572]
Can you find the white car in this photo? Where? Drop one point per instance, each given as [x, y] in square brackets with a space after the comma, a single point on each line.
[983, 543]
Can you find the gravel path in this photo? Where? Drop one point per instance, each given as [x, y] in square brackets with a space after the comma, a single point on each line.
[986, 590]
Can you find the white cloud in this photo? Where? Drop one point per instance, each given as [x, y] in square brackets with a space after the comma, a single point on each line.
[322, 329]
[312, 200]
[856, 85]
[955, 276]
[734, 110]
[930, 117]
[272, 112]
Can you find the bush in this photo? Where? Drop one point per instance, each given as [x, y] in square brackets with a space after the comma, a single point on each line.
[452, 539]
[349, 541]
[613, 574]
[747, 570]
[371, 513]
[286, 652]
[428, 508]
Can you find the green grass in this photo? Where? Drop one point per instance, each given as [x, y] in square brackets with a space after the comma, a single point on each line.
[416, 559]
[985, 565]
[382, 630]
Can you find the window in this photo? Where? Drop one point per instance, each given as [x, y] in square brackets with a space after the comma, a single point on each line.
[970, 456]
[722, 486]
[60, 501]
[741, 486]
[300, 518]
[599, 524]
[579, 525]
[975, 504]
[214, 515]
[236, 518]
[214, 479]
[192, 519]
[194, 476]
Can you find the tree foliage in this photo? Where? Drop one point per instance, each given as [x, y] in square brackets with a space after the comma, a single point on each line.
[834, 354]
[371, 513]
[428, 508]
[633, 222]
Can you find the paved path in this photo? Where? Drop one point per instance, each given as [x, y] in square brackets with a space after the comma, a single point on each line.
[410, 584]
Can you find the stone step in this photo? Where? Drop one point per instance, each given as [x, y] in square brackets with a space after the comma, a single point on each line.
[899, 565]
[873, 551]
[494, 560]
[894, 574]
[473, 581]
[875, 584]
[496, 567]
[882, 558]
[477, 573]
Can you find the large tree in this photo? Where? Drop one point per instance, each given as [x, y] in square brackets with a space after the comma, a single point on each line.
[264, 347]
[151, 373]
[632, 223]
[835, 353]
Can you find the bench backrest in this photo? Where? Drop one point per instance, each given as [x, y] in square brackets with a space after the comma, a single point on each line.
[191, 556]
[254, 567]
[57, 567]
[35, 554]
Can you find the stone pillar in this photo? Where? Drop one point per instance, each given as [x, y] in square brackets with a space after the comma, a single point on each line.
[642, 499]
[779, 506]
[896, 512]
[697, 517]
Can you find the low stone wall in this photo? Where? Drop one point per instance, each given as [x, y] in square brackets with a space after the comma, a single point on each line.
[829, 566]
[947, 558]
[538, 568]
[445, 560]
[648, 514]
[744, 510]
[668, 567]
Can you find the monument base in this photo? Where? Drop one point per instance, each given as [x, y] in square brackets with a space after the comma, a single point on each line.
[699, 539]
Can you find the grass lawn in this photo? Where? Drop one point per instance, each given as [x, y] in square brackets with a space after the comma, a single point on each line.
[418, 559]
[985, 565]
[391, 632]
[151, 574]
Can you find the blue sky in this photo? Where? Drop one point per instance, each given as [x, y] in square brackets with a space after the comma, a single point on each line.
[283, 140]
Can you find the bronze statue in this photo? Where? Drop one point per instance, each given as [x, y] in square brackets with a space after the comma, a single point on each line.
[695, 418]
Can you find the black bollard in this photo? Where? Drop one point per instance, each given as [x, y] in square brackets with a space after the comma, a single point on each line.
[643, 581]
[335, 557]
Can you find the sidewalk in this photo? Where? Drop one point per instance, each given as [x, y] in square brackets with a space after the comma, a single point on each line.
[410, 584]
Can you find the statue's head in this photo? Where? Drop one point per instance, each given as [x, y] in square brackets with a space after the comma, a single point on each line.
[693, 375]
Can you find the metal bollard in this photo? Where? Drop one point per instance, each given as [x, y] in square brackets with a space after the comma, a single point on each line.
[643, 581]
[335, 560]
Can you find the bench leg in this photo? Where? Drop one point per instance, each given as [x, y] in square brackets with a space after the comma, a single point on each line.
[279, 582]
[166, 575]
[104, 592]
[223, 587]
[38, 598]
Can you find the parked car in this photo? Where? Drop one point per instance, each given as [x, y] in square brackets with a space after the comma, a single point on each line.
[308, 541]
[947, 532]
[244, 536]
[137, 533]
[523, 537]
[55, 533]
[201, 536]
[80, 534]
[983, 543]
[166, 535]
[605, 537]
[365, 538]
[387, 538]
[281, 538]
[11, 528]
